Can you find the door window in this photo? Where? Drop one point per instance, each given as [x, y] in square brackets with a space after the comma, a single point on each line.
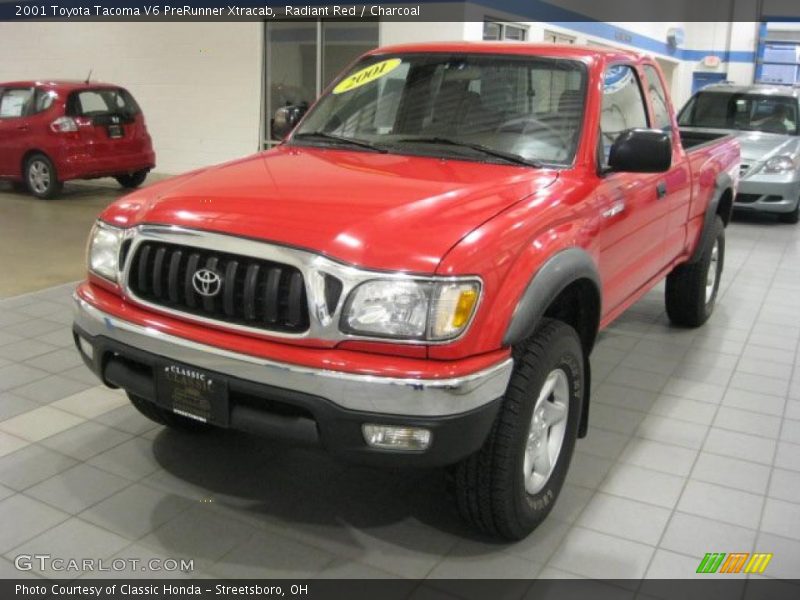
[658, 99]
[622, 107]
[15, 103]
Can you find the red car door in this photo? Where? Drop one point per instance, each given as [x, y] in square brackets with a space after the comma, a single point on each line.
[15, 105]
[631, 205]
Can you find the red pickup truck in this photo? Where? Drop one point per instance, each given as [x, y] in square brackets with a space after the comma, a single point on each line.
[418, 273]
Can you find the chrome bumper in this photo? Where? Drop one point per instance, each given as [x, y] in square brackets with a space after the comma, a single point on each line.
[387, 395]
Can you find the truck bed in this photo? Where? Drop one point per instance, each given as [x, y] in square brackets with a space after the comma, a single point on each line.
[692, 139]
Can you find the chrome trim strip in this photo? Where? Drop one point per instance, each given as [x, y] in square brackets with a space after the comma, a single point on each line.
[324, 320]
[371, 393]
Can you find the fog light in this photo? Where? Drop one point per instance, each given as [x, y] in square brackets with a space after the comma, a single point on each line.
[390, 437]
[86, 348]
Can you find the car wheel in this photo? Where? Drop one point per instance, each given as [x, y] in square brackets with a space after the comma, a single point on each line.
[164, 417]
[793, 217]
[510, 485]
[132, 180]
[41, 177]
[691, 289]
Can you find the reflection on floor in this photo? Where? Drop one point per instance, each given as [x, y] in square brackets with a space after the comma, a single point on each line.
[694, 447]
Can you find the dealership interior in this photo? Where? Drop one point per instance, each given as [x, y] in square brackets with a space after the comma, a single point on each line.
[693, 443]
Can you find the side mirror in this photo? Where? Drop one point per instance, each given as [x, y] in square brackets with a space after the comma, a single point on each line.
[641, 151]
[285, 118]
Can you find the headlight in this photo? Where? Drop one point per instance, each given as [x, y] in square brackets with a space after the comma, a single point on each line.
[779, 164]
[105, 243]
[410, 309]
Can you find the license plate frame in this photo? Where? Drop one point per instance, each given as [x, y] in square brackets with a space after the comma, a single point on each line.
[193, 393]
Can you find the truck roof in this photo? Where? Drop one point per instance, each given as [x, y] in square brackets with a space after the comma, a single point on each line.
[66, 85]
[552, 50]
[757, 88]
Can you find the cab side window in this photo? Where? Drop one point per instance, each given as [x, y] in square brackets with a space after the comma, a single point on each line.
[658, 99]
[15, 103]
[623, 106]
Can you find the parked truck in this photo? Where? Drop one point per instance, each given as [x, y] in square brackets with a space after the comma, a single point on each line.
[417, 275]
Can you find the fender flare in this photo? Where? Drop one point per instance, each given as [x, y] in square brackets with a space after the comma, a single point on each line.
[560, 270]
[724, 183]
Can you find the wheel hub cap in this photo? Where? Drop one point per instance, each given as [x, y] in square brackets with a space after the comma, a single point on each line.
[546, 431]
[39, 176]
[711, 277]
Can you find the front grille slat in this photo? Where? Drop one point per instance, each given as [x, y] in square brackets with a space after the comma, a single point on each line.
[229, 288]
[272, 295]
[158, 265]
[252, 291]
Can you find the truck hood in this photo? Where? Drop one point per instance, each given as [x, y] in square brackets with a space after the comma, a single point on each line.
[382, 211]
[758, 146]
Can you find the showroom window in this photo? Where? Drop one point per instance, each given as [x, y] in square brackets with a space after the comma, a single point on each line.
[303, 57]
[495, 31]
[623, 105]
[658, 98]
[552, 37]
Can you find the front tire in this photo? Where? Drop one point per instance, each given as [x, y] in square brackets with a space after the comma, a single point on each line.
[132, 180]
[793, 217]
[41, 177]
[691, 290]
[510, 485]
[164, 417]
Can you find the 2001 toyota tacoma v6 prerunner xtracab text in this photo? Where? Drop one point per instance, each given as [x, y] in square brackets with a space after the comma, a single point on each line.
[418, 273]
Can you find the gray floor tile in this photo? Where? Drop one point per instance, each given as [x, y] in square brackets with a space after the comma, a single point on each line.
[56, 361]
[77, 488]
[640, 380]
[587, 470]
[781, 518]
[669, 565]
[30, 465]
[725, 504]
[740, 445]
[82, 374]
[39, 423]
[785, 485]
[754, 402]
[694, 390]
[72, 539]
[127, 418]
[135, 511]
[684, 409]
[51, 388]
[760, 384]
[666, 458]
[497, 566]
[603, 443]
[133, 459]
[623, 397]
[732, 472]
[694, 536]
[25, 349]
[787, 456]
[11, 443]
[24, 518]
[672, 431]
[12, 405]
[645, 485]
[785, 555]
[31, 327]
[790, 432]
[625, 518]
[613, 418]
[602, 556]
[15, 375]
[91, 403]
[86, 440]
[747, 421]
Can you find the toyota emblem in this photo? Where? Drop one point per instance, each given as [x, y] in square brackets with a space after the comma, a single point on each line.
[206, 282]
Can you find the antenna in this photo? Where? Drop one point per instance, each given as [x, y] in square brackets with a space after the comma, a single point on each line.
[89, 76]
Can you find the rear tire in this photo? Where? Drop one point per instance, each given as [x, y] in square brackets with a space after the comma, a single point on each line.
[793, 217]
[691, 290]
[509, 486]
[164, 417]
[41, 177]
[132, 180]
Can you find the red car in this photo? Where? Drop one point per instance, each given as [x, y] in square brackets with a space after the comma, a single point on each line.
[418, 274]
[54, 131]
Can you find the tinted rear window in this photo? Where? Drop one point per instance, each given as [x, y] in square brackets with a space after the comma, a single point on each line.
[92, 103]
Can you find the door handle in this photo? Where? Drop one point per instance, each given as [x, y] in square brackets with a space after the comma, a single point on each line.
[661, 189]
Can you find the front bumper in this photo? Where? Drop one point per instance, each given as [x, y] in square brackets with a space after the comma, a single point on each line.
[768, 193]
[300, 403]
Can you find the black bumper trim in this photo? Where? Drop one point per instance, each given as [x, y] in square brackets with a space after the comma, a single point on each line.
[299, 417]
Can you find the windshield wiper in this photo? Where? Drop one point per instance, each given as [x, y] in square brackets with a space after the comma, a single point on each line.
[337, 139]
[488, 151]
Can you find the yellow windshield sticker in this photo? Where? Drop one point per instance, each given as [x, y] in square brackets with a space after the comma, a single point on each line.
[366, 75]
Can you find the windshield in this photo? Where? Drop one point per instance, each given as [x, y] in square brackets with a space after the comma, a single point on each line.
[752, 112]
[476, 107]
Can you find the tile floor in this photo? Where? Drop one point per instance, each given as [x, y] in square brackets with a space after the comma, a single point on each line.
[694, 447]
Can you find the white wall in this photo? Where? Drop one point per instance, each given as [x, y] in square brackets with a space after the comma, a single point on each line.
[199, 84]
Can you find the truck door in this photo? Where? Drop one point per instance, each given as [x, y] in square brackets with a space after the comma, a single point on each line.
[631, 205]
[676, 183]
[15, 104]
